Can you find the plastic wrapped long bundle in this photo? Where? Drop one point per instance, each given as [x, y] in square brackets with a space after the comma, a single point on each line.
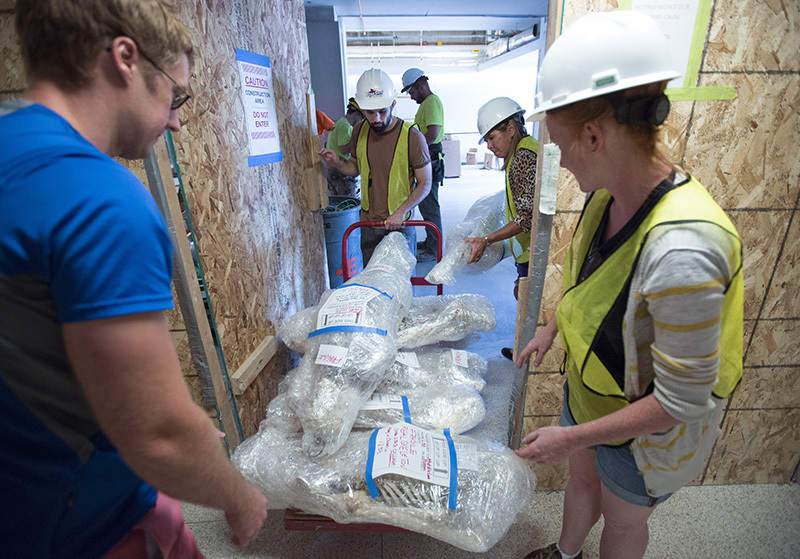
[459, 408]
[354, 343]
[436, 367]
[493, 485]
[485, 216]
[440, 318]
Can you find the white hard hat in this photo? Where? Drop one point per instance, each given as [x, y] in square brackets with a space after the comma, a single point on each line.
[496, 111]
[374, 90]
[410, 76]
[602, 53]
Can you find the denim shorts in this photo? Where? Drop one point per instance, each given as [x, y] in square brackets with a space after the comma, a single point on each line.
[616, 467]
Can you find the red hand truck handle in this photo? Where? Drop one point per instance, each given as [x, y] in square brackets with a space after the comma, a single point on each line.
[415, 280]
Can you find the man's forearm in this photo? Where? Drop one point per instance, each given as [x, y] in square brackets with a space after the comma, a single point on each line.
[413, 200]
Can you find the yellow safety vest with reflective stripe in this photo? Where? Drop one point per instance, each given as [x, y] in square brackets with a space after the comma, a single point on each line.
[399, 187]
[586, 305]
[520, 243]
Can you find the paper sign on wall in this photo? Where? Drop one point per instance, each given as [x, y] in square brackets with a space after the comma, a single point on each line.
[676, 19]
[255, 74]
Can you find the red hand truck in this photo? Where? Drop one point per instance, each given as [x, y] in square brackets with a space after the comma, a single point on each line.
[415, 280]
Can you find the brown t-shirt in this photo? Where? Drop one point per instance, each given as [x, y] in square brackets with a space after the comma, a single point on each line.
[380, 152]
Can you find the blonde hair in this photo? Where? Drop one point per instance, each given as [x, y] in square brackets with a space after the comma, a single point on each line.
[61, 38]
[649, 137]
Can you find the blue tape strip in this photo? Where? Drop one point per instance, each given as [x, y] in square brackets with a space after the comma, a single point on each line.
[406, 411]
[252, 57]
[367, 286]
[453, 471]
[264, 159]
[367, 329]
[373, 490]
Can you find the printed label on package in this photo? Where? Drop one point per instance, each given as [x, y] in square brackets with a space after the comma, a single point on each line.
[331, 355]
[346, 307]
[383, 402]
[412, 452]
[460, 358]
[407, 358]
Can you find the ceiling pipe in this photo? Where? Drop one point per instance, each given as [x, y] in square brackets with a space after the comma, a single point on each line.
[504, 45]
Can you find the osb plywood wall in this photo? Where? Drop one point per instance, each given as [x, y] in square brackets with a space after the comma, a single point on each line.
[747, 153]
[261, 247]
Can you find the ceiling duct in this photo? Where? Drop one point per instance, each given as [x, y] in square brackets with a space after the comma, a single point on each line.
[507, 44]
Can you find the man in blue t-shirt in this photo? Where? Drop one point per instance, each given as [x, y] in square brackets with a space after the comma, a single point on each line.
[100, 436]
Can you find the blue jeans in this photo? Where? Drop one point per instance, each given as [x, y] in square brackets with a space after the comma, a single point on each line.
[429, 207]
[371, 236]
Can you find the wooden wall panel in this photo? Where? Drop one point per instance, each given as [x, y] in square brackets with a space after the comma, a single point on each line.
[768, 387]
[12, 71]
[260, 245]
[753, 36]
[755, 140]
[783, 299]
[761, 232]
[756, 446]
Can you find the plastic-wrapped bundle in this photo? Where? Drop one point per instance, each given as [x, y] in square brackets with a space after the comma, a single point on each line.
[439, 318]
[436, 367]
[485, 216]
[354, 344]
[295, 329]
[459, 408]
[456, 407]
[491, 487]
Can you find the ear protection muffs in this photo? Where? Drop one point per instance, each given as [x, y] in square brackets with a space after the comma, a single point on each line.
[653, 110]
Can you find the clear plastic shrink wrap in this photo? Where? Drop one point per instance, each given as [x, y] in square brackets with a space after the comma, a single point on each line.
[435, 367]
[294, 330]
[430, 320]
[486, 215]
[352, 346]
[440, 318]
[441, 387]
[492, 486]
[458, 408]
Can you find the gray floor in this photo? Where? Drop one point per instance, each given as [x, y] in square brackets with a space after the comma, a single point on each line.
[754, 521]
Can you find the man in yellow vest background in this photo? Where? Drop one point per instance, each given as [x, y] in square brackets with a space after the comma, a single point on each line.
[392, 158]
[430, 121]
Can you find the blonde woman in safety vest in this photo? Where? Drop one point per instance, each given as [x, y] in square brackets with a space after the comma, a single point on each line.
[502, 126]
[651, 314]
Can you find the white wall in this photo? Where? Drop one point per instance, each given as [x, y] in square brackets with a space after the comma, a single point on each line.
[462, 91]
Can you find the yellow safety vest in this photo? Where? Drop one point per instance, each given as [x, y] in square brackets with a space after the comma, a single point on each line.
[520, 243]
[399, 187]
[586, 307]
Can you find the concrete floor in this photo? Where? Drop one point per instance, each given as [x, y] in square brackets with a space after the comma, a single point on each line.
[754, 521]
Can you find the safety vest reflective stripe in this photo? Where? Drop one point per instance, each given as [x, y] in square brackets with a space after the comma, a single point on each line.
[399, 187]
[520, 243]
[586, 305]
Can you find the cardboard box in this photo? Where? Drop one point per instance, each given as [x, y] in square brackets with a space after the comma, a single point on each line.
[472, 156]
[451, 149]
